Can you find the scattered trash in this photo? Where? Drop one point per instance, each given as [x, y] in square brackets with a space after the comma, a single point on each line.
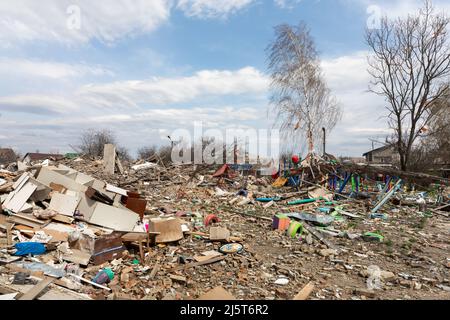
[211, 218]
[154, 230]
[26, 248]
[231, 248]
[282, 281]
[295, 229]
[104, 276]
[372, 236]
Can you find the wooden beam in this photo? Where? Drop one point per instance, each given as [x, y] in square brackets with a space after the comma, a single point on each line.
[318, 236]
[37, 289]
[154, 270]
[9, 234]
[119, 165]
[196, 264]
[305, 292]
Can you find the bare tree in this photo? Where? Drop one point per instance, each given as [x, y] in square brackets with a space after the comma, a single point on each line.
[433, 148]
[300, 95]
[93, 142]
[438, 134]
[410, 62]
[165, 154]
[123, 154]
[146, 153]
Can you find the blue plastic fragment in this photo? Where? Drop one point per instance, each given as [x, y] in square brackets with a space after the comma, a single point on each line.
[26, 248]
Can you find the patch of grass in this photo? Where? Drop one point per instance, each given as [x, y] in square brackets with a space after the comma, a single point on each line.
[352, 225]
[422, 223]
[389, 243]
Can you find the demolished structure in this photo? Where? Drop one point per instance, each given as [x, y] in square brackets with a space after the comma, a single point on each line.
[77, 229]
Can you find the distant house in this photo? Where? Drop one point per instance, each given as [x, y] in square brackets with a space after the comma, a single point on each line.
[7, 156]
[353, 160]
[386, 156]
[32, 157]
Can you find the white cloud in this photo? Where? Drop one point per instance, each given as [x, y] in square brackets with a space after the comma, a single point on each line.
[287, 4]
[38, 104]
[22, 21]
[131, 109]
[130, 100]
[347, 72]
[212, 8]
[52, 70]
[163, 91]
[347, 76]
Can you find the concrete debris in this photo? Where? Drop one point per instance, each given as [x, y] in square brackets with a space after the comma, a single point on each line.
[153, 231]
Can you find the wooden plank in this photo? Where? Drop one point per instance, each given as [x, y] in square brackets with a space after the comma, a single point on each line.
[9, 234]
[196, 264]
[48, 176]
[119, 165]
[219, 234]
[19, 183]
[64, 204]
[6, 187]
[442, 207]
[63, 219]
[78, 257]
[26, 221]
[154, 270]
[58, 187]
[10, 296]
[109, 158]
[21, 197]
[111, 188]
[305, 292]
[37, 289]
[137, 205]
[114, 218]
[137, 236]
[318, 236]
[6, 290]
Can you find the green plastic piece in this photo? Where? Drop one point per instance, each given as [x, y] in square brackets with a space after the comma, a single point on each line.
[374, 235]
[302, 201]
[295, 228]
[109, 272]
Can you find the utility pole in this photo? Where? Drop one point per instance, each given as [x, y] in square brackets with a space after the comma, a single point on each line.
[235, 151]
[324, 141]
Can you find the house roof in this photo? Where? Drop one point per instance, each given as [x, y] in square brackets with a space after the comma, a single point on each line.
[42, 156]
[378, 150]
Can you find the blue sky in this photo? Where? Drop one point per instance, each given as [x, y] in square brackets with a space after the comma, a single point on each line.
[146, 68]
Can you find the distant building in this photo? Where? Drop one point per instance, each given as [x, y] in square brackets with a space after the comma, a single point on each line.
[386, 156]
[7, 156]
[32, 157]
[353, 160]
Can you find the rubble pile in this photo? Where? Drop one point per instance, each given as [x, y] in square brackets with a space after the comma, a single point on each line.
[68, 230]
